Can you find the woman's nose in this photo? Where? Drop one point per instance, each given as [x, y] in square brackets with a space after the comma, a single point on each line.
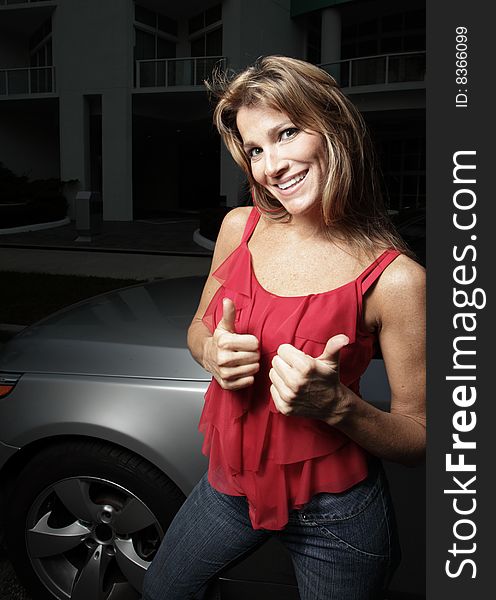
[275, 165]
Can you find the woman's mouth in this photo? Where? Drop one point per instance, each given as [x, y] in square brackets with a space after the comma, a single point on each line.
[288, 185]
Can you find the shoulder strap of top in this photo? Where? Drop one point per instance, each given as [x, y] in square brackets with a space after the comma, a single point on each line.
[370, 276]
[251, 223]
[373, 271]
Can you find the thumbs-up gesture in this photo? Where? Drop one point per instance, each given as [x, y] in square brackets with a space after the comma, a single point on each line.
[232, 358]
[309, 387]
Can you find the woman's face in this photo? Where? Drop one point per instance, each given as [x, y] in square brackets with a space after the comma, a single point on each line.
[287, 161]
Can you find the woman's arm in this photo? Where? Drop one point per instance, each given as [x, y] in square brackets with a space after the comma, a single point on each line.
[308, 386]
[398, 435]
[231, 358]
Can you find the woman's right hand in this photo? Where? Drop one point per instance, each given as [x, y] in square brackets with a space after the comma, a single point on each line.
[232, 358]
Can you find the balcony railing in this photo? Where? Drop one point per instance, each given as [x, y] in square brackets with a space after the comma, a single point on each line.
[382, 70]
[11, 2]
[27, 80]
[174, 72]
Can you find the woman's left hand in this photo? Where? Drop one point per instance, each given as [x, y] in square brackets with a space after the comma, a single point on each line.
[305, 386]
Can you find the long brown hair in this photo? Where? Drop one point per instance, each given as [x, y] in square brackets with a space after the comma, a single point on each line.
[352, 205]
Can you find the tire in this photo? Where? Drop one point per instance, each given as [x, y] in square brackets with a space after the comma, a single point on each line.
[85, 519]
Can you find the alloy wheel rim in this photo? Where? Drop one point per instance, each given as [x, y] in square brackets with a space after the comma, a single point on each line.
[88, 537]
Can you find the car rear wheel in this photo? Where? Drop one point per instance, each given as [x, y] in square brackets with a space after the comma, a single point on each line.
[85, 520]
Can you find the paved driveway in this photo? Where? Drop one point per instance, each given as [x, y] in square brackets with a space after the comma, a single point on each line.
[10, 588]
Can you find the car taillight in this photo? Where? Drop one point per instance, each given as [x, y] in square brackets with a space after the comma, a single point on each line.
[8, 382]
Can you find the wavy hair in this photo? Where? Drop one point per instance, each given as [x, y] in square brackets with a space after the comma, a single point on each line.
[352, 205]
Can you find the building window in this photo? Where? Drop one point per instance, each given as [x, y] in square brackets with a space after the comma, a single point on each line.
[387, 34]
[403, 164]
[155, 21]
[205, 32]
[155, 39]
[207, 44]
[205, 38]
[314, 36]
[40, 35]
[40, 57]
[209, 17]
[151, 46]
[155, 35]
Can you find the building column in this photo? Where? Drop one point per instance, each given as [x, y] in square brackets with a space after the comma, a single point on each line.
[246, 36]
[231, 178]
[331, 35]
[117, 122]
[74, 145]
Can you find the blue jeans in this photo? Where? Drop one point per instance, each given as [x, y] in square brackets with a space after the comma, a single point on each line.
[343, 546]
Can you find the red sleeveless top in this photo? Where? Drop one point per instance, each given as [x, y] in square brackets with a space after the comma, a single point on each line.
[279, 462]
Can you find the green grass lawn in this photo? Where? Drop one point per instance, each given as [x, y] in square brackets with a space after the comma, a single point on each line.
[27, 297]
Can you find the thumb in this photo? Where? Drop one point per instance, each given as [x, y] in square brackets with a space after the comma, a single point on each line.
[228, 315]
[332, 348]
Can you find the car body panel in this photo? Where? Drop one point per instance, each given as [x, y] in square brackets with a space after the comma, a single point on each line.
[6, 452]
[139, 331]
[155, 419]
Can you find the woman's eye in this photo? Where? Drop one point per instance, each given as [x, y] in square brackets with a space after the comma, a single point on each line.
[254, 152]
[289, 133]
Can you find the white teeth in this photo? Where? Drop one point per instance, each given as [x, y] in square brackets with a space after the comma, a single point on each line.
[284, 186]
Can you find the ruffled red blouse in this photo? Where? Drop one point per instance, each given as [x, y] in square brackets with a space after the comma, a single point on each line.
[279, 462]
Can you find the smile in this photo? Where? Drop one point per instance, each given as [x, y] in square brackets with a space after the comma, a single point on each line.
[288, 184]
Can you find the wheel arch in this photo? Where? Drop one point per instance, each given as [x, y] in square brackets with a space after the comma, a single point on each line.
[156, 420]
[15, 464]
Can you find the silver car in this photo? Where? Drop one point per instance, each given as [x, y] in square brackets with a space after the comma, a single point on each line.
[99, 406]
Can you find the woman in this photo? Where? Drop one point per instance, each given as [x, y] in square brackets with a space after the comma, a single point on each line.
[303, 286]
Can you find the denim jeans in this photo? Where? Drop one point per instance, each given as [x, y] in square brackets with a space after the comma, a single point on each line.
[343, 546]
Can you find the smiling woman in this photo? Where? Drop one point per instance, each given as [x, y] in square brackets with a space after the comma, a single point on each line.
[311, 101]
[303, 288]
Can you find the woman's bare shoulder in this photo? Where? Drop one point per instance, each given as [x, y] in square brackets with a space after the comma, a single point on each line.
[235, 220]
[399, 289]
[234, 224]
[403, 272]
[231, 232]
